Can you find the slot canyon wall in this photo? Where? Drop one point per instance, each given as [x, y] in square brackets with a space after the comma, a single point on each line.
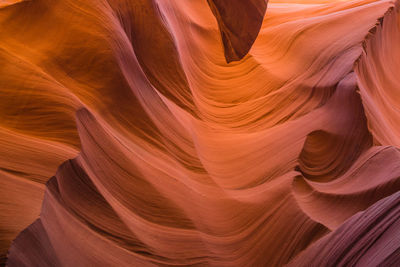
[199, 133]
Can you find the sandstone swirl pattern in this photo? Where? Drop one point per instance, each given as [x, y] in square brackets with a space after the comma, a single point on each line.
[165, 154]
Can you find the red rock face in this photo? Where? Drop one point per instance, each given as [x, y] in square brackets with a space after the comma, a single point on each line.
[204, 133]
[239, 23]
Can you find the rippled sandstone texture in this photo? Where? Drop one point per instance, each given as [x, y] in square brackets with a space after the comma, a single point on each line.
[179, 136]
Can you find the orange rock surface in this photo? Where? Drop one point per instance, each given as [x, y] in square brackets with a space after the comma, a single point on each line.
[199, 133]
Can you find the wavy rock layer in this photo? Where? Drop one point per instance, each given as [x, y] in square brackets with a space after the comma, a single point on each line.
[287, 156]
[369, 238]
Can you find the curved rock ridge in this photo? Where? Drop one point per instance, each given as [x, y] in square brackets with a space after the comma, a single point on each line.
[378, 80]
[275, 144]
[369, 238]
